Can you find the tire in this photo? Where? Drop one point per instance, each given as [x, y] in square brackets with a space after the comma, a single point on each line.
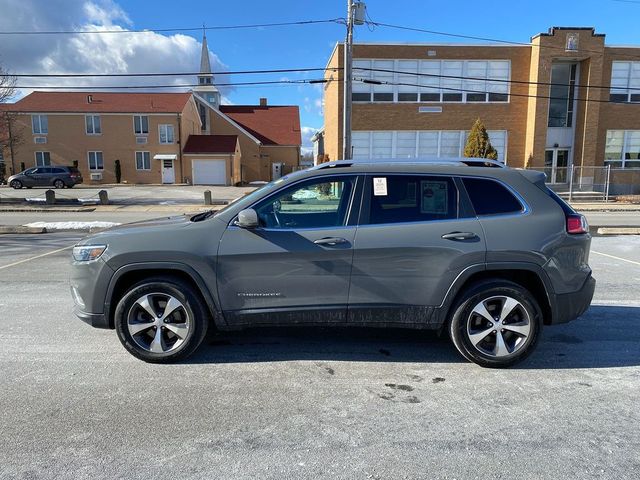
[487, 339]
[181, 332]
[58, 184]
[16, 184]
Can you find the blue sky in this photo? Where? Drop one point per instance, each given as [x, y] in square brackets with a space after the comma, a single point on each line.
[272, 48]
[310, 46]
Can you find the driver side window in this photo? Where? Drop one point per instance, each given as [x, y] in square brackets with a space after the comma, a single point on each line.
[318, 203]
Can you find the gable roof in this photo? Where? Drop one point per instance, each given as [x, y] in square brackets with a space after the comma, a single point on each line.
[211, 144]
[272, 125]
[102, 102]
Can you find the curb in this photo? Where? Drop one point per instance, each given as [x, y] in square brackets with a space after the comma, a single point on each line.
[618, 231]
[19, 229]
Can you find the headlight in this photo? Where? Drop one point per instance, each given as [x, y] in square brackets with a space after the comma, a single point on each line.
[86, 253]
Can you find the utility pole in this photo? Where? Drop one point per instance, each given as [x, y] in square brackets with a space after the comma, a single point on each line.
[348, 88]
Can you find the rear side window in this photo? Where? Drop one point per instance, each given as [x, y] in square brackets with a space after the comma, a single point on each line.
[58, 170]
[411, 198]
[490, 197]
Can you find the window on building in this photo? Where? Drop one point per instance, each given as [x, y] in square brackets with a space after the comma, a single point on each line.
[625, 82]
[95, 161]
[141, 124]
[490, 197]
[411, 198]
[40, 124]
[43, 159]
[411, 144]
[561, 93]
[166, 134]
[317, 203]
[622, 148]
[143, 161]
[93, 124]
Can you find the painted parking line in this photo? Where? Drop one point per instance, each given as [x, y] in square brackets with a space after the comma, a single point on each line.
[2, 267]
[616, 258]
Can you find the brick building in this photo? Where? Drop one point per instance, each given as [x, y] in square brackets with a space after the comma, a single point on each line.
[564, 100]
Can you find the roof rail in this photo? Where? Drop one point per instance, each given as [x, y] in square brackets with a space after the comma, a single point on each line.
[470, 162]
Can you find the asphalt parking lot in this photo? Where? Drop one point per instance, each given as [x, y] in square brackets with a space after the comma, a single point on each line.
[313, 403]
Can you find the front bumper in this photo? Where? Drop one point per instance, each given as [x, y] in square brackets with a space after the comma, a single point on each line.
[569, 306]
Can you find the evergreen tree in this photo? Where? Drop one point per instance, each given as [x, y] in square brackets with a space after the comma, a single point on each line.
[478, 144]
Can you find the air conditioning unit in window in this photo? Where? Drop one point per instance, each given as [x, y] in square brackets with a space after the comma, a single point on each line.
[96, 176]
[141, 140]
[39, 139]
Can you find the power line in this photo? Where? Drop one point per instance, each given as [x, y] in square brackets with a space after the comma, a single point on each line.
[304, 70]
[488, 39]
[167, 74]
[181, 85]
[496, 80]
[168, 30]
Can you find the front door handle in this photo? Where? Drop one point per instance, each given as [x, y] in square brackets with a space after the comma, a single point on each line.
[459, 236]
[331, 241]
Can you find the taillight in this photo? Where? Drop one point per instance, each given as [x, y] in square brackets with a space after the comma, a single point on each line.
[577, 224]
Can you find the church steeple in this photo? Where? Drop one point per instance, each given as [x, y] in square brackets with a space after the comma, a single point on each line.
[205, 65]
[206, 89]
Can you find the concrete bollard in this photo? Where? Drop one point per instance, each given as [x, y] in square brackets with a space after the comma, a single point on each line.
[50, 197]
[104, 197]
[207, 197]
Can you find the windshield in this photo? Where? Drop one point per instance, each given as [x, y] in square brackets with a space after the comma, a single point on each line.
[257, 193]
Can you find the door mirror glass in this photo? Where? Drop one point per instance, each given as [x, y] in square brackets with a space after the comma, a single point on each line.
[247, 219]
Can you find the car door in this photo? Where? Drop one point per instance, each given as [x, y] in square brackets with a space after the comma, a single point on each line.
[295, 266]
[29, 179]
[415, 237]
[41, 176]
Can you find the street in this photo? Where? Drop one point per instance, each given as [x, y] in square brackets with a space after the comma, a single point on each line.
[313, 403]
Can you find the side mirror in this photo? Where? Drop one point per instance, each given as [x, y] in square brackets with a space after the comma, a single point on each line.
[247, 218]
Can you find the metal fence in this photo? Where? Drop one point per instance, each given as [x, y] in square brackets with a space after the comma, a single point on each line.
[592, 183]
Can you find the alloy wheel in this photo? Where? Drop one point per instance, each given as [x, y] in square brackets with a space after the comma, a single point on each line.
[158, 323]
[498, 326]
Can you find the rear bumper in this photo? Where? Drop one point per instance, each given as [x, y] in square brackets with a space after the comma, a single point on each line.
[569, 306]
[97, 320]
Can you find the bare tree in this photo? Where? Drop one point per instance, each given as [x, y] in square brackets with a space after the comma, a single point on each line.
[10, 136]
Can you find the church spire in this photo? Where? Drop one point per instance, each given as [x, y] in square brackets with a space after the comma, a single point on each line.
[205, 64]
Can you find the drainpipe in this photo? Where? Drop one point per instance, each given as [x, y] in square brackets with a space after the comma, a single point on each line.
[180, 147]
[13, 165]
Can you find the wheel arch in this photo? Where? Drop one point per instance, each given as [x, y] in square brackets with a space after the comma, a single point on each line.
[527, 275]
[129, 275]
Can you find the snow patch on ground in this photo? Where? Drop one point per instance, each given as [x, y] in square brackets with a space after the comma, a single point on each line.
[71, 225]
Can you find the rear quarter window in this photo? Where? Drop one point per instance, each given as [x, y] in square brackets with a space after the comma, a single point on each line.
[489, 197]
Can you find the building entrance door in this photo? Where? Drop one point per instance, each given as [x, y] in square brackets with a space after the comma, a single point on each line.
[556, 165]
[168, 173]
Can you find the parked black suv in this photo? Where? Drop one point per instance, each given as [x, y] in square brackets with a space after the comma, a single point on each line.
[489, 255]
[51, 176]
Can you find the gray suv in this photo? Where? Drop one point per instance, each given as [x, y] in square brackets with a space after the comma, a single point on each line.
[49, 176]
[489, 255]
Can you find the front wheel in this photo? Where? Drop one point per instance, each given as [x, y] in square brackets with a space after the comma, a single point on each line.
[161, 320]
[17, 184]
[496, 323]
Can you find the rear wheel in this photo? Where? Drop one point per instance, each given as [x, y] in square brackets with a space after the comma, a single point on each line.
[17, 184]
[161, 320]
[58, 184]
[496, 323]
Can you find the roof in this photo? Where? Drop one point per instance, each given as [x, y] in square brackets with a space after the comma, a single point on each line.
[211, 144]
[271, 125]
[103, 102]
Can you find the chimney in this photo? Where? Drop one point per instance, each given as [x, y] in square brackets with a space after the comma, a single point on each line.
[263, 102]
[89, 98]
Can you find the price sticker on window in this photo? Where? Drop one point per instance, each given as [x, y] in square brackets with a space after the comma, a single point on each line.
[379, 187]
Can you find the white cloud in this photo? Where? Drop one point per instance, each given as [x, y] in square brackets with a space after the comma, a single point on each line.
[307, 133]
[125, 52]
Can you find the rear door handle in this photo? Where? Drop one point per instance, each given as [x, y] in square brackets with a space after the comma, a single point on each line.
[459, 236]
[331, 241]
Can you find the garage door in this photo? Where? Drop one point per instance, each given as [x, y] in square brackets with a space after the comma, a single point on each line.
[209, 172]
